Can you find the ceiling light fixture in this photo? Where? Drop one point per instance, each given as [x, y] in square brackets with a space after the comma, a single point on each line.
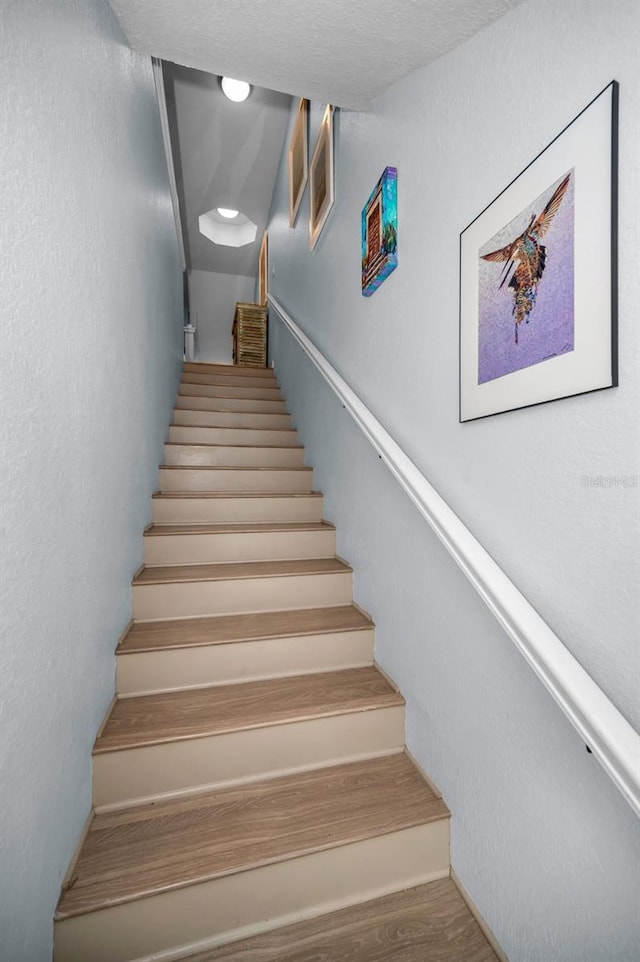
[227, 212]
[236, 90]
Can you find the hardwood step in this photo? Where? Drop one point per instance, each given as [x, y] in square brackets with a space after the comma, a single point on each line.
[138, 722]
[205, 367]
[186, 591]
[167, 655]
[174, 477]
[172, 544]
[427, 923]
[267, 392]
[253, 405]
[231, 379]
[279, 438]
[227, 455]
[174, 742]
[235, 507]
[214, 866]
[231, 419]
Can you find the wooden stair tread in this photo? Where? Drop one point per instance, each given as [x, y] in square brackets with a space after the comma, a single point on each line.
[230, 467]
[258, 527]
[428, 923]
[198, 712]
[218, 389]
[255, 401]
[237, 494]
[164, 574]
[225, 629]
[152, 848]
[217, 444]
[240, 427]
[205, 367]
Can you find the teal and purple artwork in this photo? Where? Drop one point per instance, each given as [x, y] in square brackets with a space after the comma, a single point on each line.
[380, 232]
[525, 287]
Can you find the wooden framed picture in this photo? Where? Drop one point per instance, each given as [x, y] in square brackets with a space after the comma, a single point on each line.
[538, 275]
[298, 159]
[321, 186]
[380, 232]
[262, 270]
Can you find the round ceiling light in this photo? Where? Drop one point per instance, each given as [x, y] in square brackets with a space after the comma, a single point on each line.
[236, 90]
[227, 212]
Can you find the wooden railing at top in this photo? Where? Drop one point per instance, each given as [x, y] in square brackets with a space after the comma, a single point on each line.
[608, 735]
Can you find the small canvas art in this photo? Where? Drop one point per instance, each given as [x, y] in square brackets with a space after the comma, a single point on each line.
[380, 232]
[526, 287]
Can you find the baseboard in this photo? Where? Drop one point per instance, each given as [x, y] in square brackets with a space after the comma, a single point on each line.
[488, 934]
[430, 782]
[68, 875]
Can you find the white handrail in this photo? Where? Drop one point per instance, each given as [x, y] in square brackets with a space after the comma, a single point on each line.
[613, 741]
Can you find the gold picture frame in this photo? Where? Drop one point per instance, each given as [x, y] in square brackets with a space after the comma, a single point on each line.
[321, 183]
[298, 156]
[262, 270]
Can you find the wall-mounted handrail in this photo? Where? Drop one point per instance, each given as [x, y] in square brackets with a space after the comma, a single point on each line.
[613, 741]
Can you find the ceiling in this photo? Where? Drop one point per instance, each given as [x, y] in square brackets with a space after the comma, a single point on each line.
[343, 52]
[225, 155]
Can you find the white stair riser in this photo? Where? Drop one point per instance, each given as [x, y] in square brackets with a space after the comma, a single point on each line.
[198, 917]
[233, 456]
[194, 598]
[181, 549]
[233, 436]
[174, 768]
[230, 510]
[228, 380]
[217, 390]
[256, 405]
[231, 419]
[227, 479]
[176, 668]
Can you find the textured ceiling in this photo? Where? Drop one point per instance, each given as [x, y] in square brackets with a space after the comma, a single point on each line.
[344, 52]
[225, 155]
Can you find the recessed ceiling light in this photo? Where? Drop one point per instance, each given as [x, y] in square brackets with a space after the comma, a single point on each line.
[227, 212]
[236, 90]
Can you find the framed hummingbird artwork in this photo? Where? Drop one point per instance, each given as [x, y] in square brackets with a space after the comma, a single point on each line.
[538, 275]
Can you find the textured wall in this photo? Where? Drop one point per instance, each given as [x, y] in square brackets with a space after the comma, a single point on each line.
[541, 839]
[90, 306]
[212, 303]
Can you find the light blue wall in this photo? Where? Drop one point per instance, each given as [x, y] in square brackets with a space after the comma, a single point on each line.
[212, 304]
[91, 314]
[543, 842]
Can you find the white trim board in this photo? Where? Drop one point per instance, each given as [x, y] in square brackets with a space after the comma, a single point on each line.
[158, 77]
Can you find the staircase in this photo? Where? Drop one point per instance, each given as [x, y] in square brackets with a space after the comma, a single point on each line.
[250, 777]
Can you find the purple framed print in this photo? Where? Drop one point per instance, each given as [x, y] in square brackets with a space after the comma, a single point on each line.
[380, 232]
[538, 282]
